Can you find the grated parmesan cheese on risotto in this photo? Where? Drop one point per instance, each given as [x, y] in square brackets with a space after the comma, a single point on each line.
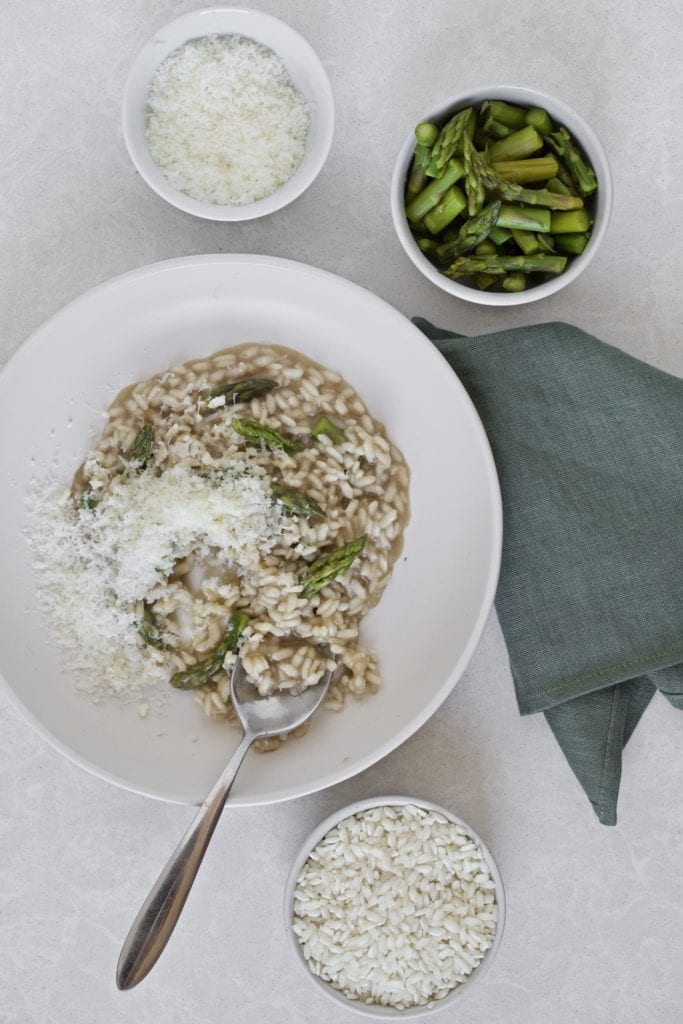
[225, 122]
[95, 565]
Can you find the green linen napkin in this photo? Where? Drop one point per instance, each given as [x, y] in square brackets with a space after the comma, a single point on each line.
[588, 443]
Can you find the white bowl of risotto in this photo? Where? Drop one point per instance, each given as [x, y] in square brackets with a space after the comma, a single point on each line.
[228, 114]
[237, 454]
[394, 907]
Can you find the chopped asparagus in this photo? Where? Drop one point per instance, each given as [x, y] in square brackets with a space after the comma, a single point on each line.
[464, 266]
[450, 207]
[494, 129]
[505, 113]
[514, 282]
[480, 175]
[88, 500]
[474, 184]
[472, 233]
[328, 567]
[545, 243]
[584, 175]
[296, 503]
[485, 248]
[149, 628]
[524, 172]
[556, 185]
[573, 222]
[325, 426]
[539, 119]
[484, 281]
[142, 448]
[449, 141]
[517, 146]
[258, 433]
[237, 391]
[523, 218]
[426, 135]
[574, 244]
[526, 241]
[434, 192]
[499, 236]
[206, 669]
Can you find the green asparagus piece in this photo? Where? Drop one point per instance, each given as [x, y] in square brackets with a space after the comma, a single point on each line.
[427, 245]
[471, 233]
[523, 218]
[539, 119]
[237, 391]
[88, 500]
[141, 450]
[434, 192]
[452, 204]
[584, 175]
[325, 426]
[257, 433]
[499, 236]
[149, 629]
[526, 241]
[295, 503]
[203, 671]
[464, 266]
[485, 248]
[556, 185]
[572, 243]
[449, 141]
[484, 281]
[505, 113]
[514, 282]
[328, 567]
[426, 135]
[482, 173]
[523, 172]
[494, 129]
[517, 146]
[545, 243]
[573, 222]
[474, 184]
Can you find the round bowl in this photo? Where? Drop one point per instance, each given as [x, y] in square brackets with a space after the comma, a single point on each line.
[383, 1012]
[136, 325]
[587, 140]
[303, 66]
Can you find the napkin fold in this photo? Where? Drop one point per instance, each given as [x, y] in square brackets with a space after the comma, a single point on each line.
[588, 443]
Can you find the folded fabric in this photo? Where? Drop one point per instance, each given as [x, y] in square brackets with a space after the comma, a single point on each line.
[588, 443]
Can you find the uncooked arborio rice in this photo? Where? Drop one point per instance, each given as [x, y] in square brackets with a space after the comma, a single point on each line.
[395, 906]
[361, 484]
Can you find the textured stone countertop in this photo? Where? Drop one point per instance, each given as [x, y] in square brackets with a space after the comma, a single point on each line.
[595, 923]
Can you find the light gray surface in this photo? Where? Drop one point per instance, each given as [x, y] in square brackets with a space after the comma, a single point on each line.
[595, 915]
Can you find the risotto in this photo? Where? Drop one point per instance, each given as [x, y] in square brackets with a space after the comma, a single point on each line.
[245, 503]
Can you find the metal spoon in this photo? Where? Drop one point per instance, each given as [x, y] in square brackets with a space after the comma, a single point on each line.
[260, 717]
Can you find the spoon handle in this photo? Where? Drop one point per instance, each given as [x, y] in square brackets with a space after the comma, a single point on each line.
[159, 914]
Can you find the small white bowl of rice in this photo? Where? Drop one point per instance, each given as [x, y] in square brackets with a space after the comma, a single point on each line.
[228, 114]
[394, 908]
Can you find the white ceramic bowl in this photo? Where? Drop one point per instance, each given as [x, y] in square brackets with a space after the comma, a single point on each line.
[54, 391]
[382, 1012]
[601, 208]
[304, 69]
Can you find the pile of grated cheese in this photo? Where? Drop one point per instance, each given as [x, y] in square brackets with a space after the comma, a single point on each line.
[93, 566]
[225, 122]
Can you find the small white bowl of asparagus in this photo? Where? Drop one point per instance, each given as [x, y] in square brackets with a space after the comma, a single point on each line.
[502, 195]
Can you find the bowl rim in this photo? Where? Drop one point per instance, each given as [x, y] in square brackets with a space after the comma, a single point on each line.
[147, 55]
[560, 111]
[302, 855]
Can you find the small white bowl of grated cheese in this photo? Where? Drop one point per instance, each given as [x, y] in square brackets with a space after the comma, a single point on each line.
[228, 114]
[394, 907]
